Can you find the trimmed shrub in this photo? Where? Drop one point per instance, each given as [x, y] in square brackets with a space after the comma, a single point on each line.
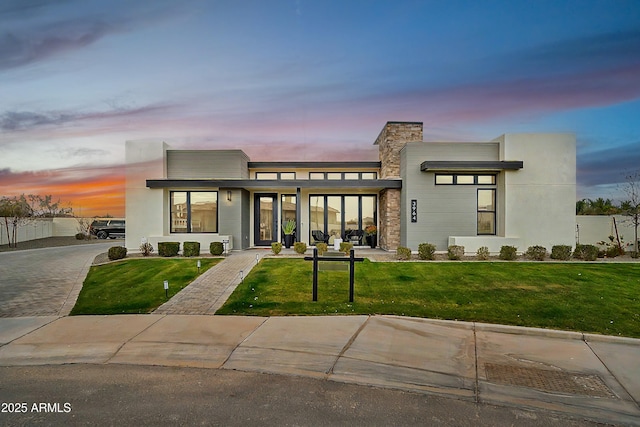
[561, 252]
[586, 252]
[403, 253]
[300, 247]
[168, 248]
[508, 253]
[482, 254]
[81, 236]
[346, 247]
[614, 251]
[537, 253]
[455, 252]
[146, 249]
[191, 249]
[117, 252]
[216, 248]
[426, 251]
[276, 247]
[322, 248]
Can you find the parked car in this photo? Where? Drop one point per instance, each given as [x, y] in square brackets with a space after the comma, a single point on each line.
[107, 228]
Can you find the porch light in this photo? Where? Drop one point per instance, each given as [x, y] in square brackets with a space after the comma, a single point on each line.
[229, 195]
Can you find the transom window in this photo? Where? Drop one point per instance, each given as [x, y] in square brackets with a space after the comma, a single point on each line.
[194, 212]
[465, 179]
[343, 175]
[275, 175]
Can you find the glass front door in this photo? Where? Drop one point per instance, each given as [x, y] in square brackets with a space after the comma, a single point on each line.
[266, 219]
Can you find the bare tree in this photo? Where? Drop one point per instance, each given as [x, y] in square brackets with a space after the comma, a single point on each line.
[84, 227]
[16, 212]
[631, 206]
[43, 207]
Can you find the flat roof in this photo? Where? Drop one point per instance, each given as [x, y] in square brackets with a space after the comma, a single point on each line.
[455, 165]
[313, 165]
[275, 183]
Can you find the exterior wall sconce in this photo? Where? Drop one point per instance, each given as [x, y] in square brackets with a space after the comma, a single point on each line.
[229, 195]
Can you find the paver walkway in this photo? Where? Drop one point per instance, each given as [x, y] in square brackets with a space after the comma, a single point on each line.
[44, 282]
[207, 293]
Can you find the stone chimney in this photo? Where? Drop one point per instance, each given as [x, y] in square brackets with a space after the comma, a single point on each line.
[390, 141]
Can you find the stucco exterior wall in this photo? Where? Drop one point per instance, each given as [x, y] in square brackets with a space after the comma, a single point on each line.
[592, 229]
[539, 200]
[443, 210]
[145, 208]
[207, 164]
[233, 216]
[32, 230]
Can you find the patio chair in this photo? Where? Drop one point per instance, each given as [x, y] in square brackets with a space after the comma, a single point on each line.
[355, 237]
[319, 236]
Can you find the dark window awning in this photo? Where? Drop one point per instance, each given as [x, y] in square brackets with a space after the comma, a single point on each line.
[373, 184]
[462, 165]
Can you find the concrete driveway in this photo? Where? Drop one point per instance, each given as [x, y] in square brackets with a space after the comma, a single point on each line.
[44, 282]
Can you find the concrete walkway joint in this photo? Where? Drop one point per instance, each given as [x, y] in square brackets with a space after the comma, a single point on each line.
[454, 359]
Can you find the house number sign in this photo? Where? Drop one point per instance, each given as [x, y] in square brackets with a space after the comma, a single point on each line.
[414, 210]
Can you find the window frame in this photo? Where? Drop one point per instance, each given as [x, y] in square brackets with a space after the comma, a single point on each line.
[325, 204]
[277, 174]
[494, 211]
[188, 211]
[455, 176]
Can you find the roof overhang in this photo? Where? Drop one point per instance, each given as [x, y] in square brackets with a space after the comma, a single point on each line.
[273, 183]
[461, 165]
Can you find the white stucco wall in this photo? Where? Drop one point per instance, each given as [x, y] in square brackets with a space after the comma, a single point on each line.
[144, 206]
[597, 228]
[31, 230]
[539, 199]
[147, 210]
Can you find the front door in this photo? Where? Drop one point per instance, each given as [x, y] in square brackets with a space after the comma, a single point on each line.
[266, 219]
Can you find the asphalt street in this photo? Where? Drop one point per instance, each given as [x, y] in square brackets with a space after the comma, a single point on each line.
[146, 395]
[186, 369]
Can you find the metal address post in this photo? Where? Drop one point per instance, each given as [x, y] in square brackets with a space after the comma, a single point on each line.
[352, 260]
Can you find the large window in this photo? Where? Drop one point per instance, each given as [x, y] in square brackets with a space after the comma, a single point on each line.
[486, 211]
[341, 216]
[194, 212]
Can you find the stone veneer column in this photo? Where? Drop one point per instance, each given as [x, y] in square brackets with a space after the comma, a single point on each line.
[390, 141]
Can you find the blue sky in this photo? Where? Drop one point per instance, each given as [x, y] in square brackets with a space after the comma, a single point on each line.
[306, 80]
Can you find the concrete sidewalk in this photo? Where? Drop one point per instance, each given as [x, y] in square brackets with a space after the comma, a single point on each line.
[578, 375]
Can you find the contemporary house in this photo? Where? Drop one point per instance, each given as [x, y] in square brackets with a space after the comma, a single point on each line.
[519, 189]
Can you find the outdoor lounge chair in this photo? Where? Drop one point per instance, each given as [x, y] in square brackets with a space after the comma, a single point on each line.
[355, 237]
[319, 236]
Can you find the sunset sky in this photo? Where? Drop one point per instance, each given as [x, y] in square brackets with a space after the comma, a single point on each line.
[306, 80]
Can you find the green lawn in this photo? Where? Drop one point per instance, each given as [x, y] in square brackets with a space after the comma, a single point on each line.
[136, 285]
[601, 298]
